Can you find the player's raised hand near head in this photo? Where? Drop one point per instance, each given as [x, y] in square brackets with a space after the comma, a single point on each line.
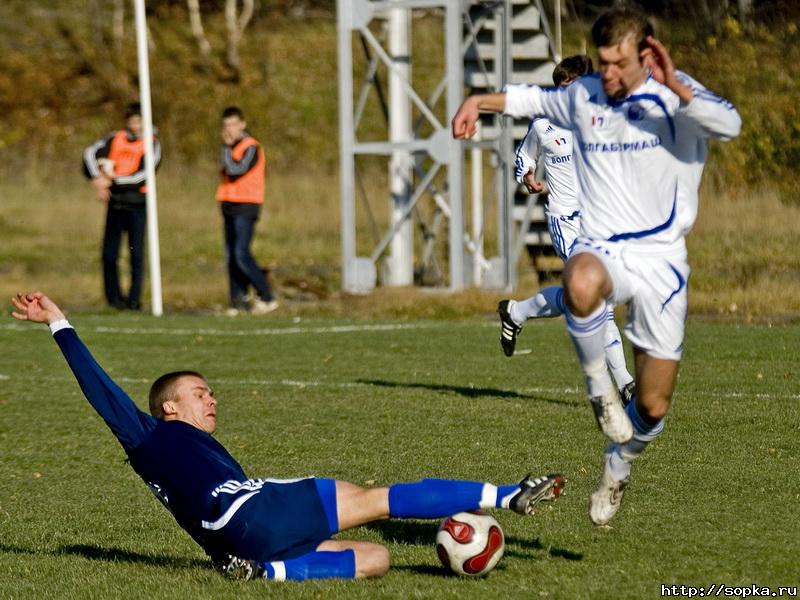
[36, 307]
[662, 68]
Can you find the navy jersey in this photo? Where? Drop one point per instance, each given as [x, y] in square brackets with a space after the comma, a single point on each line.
[198, 480]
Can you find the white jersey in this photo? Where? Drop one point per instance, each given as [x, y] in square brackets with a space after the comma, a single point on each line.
[554, 145]
[638, 161]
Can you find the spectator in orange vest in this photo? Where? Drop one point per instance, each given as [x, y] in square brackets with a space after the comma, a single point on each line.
[241, 194]
[115, 165]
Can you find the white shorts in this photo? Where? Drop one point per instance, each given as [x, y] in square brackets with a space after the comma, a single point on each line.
[563, 231]
[652, 280]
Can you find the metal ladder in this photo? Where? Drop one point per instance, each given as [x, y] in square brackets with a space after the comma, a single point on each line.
[533, 56]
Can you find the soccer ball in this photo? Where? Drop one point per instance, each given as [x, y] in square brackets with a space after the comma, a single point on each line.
[470, 543]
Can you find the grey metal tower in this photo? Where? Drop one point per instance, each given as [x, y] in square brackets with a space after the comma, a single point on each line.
[425, 163]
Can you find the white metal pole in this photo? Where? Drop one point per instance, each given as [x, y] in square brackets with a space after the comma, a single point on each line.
[557, 19]
[477, 208]
[454, 62]
[150, 170]
[344, 32]
[401, 263]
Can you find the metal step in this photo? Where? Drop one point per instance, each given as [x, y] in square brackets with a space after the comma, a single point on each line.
[518, 213]
[541, 74]
[526, 45]
[489, 131]
[538, 238]
[526, 16]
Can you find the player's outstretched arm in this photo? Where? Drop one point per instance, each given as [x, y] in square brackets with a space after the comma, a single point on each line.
[36, 307]
[126, 421]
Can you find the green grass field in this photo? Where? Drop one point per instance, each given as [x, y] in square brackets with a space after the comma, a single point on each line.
[715, 500]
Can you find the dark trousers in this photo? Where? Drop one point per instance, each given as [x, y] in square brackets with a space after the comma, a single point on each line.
[130, 220]
[243, 270]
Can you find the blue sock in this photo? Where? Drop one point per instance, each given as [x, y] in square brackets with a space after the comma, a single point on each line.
[434, 498]
[643, 434]
[314, 565]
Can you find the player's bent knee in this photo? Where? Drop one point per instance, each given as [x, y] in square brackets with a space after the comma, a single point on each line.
[372, 560]
[653, 408]
[586, 284]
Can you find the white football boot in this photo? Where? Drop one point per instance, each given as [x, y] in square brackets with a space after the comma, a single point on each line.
[611, 417]
[604, 503]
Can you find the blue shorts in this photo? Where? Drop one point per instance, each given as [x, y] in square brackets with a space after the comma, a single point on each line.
[284, 519]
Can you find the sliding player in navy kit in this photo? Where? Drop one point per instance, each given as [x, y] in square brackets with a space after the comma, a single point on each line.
[276, 529]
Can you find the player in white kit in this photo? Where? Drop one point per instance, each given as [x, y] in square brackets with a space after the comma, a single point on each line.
[553, 146]
[641, 129]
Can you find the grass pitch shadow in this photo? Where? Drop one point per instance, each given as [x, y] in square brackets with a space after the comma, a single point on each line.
[424, 534]
[466, 391]
[94, 552]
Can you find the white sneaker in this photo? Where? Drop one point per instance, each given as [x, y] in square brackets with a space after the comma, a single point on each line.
[604, 503]
[260, 307]
[611, 417]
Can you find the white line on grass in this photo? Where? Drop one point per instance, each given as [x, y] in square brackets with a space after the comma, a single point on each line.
[316, 383]
[245, 332]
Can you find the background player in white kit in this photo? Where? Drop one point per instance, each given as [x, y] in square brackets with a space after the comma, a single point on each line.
[640, 129]
[553, 145]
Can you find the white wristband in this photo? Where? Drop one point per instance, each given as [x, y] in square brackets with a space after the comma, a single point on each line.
[57, 326]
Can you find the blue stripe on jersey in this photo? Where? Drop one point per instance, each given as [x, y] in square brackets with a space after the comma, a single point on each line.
[557, 238]
[647, 232]
[658, 102]
[681, 285]
[518, 165]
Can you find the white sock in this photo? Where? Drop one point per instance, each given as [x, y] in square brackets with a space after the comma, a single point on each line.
[617, 467]
[488, 496]
[589, 335]
[547, 302]
[615, 352]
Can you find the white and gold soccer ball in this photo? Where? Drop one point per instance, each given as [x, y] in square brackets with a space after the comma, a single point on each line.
[470, 543]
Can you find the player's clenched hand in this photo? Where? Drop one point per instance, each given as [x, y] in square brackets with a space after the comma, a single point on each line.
[36, 307]
[465, 119]
[532, 184]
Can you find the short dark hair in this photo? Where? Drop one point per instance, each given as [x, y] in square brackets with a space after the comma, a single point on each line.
[615, 24]
[232, 111]
[163, 389]
[133, 109]
[571, 68]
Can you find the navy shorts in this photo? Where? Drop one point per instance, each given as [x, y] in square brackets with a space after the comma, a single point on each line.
[285, 519]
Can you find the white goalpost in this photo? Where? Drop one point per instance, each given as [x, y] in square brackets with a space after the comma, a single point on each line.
[150, 171]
